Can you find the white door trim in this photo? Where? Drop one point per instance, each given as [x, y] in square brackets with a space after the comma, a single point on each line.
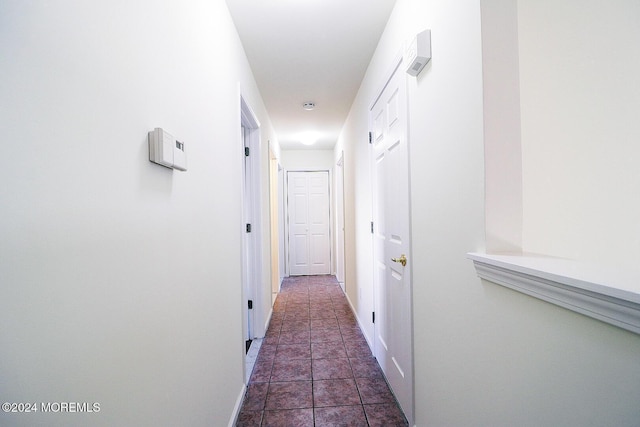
[252, 268]
[286, 215]
[339, 219]
[281, 223]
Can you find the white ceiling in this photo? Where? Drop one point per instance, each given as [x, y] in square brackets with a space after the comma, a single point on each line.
[309, 50]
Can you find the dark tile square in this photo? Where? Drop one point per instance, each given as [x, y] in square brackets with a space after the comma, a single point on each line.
[274, 327]
[344, 313]
[352, 333]
[357, 350]
[295, 325]
[249, 419]
[298, 300]
[291, 370]
[319, 293]
[294, 337]
[346, 322]
[328, 350]
[320, 296]
[340, 304]
[289, 418]
[255, 397]
[289, 395]
[298, 303]
[366, 368]
[261, 371]
[267, 351]
[324, 369]
[342, 309]
[277, 316]
[326, 323]
[293, 351]
[348, 416]
[322, 313]
[271, 340]
[297, 314]
[337, 392]
[374, 390]
[326, 335]
[388, 414]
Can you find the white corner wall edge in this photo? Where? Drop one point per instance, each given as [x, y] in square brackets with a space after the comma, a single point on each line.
[611, 296]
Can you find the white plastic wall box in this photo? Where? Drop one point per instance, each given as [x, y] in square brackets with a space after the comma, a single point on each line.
[167, 151]
[418, 54]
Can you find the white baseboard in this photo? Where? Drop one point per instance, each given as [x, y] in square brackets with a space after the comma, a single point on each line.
[355, 313]
[236, 409]
[266, 324]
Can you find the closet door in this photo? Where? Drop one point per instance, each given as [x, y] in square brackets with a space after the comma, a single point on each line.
[309, 214]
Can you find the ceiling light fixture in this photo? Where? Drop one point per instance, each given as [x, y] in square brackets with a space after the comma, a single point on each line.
[309, 106]
[308, 138]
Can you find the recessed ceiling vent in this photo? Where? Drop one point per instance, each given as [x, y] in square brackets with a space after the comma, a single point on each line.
[309, 106]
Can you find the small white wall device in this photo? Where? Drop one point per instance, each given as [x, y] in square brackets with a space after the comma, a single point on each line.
[166, 151]
[418, 53]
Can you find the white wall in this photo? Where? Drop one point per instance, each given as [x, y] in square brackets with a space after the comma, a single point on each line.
[301, 160]
[502, 145]
[579, 63]
[484, 355]
[120, 278]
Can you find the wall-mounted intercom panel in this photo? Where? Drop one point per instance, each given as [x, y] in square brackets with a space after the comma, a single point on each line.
[167, 151]
[418, 54]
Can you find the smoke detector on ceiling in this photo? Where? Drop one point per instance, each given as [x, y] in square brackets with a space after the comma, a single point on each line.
[309, 106]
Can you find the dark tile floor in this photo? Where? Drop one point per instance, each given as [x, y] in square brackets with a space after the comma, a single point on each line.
[314, 367]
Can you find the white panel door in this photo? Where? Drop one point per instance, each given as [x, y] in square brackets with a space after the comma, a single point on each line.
[392, 279]
[309, 238]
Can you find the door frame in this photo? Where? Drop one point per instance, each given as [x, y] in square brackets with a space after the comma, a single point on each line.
[274, 213]
[339, 220]
[287, 245]
[282, 228]
[395, 67]
[252, 268]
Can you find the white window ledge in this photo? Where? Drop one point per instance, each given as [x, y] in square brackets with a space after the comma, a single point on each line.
[611, 296]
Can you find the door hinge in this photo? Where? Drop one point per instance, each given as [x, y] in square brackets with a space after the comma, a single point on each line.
[370, 137]
[373, 317]
[371, 227]
[248, 228]
[250, 304]
[246, 151]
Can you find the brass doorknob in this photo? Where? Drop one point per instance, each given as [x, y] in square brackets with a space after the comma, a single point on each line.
[402, 260]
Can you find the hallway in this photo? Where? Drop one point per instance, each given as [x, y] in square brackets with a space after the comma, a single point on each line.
[314, 367]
